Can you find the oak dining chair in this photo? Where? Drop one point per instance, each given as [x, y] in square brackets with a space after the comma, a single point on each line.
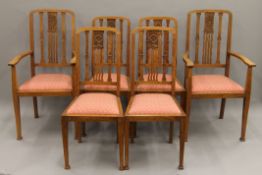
[98, 69]
[155, 105]
[171, 22]
[123, 25]
[211, 48]
[52, 44]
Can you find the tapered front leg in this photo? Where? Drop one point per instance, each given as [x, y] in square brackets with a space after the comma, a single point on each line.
[188, 110]
[171, 132]
[126, 144]
[35, 107]
[65, 141]
[120, 130]
[83, 129]
[222, 109]
[16, 103]
[78, 132]
[132, 131]
[182, 144]
[246, 104]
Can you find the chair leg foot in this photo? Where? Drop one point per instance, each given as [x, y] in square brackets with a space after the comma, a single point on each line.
[19, 138]
[242, 139]
[121, 168]
[180, 167]
[67, 167]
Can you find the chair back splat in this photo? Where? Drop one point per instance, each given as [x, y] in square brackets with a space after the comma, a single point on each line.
[101, 57]
[208, 37]
[162, 21]
[56, 30]
[123, 25]
[150, 58]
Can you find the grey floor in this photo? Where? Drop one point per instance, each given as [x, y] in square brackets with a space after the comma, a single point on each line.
[213, 146]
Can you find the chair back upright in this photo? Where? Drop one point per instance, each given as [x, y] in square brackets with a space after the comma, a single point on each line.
[99, 58]
[210, 39]
[123, 25]
[52, 37]
[151, 60]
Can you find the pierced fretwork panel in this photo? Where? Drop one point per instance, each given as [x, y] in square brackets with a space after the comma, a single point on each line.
[161, 22]
[52, 37]
[122, 24]
[52, 33]
[148, 56]
[93, 50]
[209, 36]
[154, 53]
[98, 55]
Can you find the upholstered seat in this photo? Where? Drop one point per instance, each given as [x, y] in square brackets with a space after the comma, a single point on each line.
[215, 84]
[46, 82]
[94, 103]
[124, 85]
[153, 104]
[162, 87]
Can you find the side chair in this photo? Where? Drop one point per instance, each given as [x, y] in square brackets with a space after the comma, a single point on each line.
[96, 106]
[155, 105]
[123, 25]
[171, 22]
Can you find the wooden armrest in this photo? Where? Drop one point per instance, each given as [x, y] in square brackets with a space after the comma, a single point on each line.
[73, 61]
[19, 57]
[242, 58]
[187, 60]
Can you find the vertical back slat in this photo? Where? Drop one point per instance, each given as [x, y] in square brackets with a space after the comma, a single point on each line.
[98, 59]
[121, 40]
[140, 54]
[63, 37]
[166, 50]
[219, 37]
[197, 37]
[52, 37]
[188, 32]
[41, 30]
[86, 55]
[73, 33]
[208, 38]
[110, 50]
[147, 51]
[174, 61]
[32, 45]
[128, 47]
[101, 22]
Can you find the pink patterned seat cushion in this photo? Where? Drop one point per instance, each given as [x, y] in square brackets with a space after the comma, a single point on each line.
[153, 104]
[47, 82]
[163, 87]
[123, 84]
[94, 103]
[215, 84]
